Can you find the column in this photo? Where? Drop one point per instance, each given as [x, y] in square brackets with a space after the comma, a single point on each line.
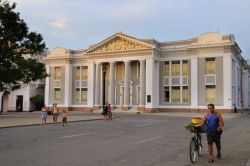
[68, 85]
[149, 83]
[112, 84]
[142, 83]
[91, 84]
[194, 82]
[47, 79]
[126, 84]
[227, 77]
[97, 85]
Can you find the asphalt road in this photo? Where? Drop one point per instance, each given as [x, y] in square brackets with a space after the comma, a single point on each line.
[128, 140]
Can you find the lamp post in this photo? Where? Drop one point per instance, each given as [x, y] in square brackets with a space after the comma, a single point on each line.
[104, 71]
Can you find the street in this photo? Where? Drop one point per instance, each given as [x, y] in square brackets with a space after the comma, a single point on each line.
[129, 139]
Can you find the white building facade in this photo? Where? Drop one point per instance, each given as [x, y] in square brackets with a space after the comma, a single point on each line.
[19, 100]
[150, 76]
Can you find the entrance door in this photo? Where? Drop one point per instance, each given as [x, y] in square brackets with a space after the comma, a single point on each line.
[19, 103]
[5, 102]
[122, 96]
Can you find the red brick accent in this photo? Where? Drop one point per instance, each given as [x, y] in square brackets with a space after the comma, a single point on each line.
[97, 108]
[151, 110]
[125, 108]
[81, 109]
[192, 110]
[140, 109]
[145, 110]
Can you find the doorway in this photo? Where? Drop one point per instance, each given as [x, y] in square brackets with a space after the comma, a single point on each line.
[122, 95]
[19, 103]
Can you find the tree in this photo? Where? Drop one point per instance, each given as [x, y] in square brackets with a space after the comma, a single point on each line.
[19, 50]
[38, 101]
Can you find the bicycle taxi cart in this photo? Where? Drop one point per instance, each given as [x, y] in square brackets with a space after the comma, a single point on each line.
[196, 127]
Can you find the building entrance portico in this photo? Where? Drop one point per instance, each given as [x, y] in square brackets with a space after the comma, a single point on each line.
[121, 99]
[121, 83]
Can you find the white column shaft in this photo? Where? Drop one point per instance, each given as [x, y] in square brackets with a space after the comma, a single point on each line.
[126, 84]
[68, 85]
[46, 95]
[91, 86]
[97, 85]
[150, 82]
[112, 84]
[227, 76]
[194, 82]
[142, 83]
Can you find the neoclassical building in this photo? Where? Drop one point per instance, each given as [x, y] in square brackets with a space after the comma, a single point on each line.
[150, 76]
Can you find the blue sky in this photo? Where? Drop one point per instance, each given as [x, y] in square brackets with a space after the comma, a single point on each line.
[76, 24]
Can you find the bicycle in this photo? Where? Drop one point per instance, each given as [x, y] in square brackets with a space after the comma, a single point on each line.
[195, 147]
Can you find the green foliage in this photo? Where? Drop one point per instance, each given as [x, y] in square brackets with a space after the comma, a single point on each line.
[38, 101]
[19, 50]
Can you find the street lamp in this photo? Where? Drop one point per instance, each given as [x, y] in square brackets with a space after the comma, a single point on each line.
[104, 71]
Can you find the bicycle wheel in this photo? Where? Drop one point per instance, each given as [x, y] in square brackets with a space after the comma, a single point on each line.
[192, 151]
[199, 145]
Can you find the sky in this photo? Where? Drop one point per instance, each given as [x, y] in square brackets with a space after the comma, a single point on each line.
[76, 24]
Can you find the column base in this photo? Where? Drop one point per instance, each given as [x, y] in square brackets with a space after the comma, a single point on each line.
[96, 108]
[125, 108]
[151, 110]
[140, 109]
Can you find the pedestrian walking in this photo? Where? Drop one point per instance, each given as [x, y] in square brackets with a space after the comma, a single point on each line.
[105, 111]
[44, 115]
[214, 122]
[55, 113]
[64, 117]
[109, 113]
[235, 109]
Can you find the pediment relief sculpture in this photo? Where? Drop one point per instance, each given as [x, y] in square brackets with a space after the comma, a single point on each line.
[119, 44]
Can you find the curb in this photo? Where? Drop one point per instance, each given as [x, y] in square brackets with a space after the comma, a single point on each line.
[25, 125]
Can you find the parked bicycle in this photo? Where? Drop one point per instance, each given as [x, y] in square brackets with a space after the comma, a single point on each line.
[195, 146]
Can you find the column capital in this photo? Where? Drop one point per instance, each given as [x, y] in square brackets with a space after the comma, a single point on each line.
[112, 62]
[142, 60]
[127, 61]
[97, 63]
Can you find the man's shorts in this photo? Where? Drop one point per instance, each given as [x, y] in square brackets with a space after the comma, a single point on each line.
[64, 120]
[213, 136]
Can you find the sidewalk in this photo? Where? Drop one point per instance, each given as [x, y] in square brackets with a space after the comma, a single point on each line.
[17, 119]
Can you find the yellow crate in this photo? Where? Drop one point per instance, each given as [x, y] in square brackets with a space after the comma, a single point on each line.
[196, 120]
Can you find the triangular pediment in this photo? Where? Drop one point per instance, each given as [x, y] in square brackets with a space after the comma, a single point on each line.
[119, 42]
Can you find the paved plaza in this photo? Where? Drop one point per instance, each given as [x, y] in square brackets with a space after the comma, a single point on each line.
[129, 139]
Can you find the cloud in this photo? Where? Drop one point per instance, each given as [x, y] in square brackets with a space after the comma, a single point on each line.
[24, 3]
[61, 23]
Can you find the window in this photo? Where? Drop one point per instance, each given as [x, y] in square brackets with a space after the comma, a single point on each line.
[78, 73]
[166, 94]
[175, 68]
[175, 95]
[84, 94]
[210, 66]
[77, 95]
[166, 69]
[185, 94]
[84, 73]
[210, 93]
[81, 82]
[57, 94]
[58, 73]
[185, 68]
